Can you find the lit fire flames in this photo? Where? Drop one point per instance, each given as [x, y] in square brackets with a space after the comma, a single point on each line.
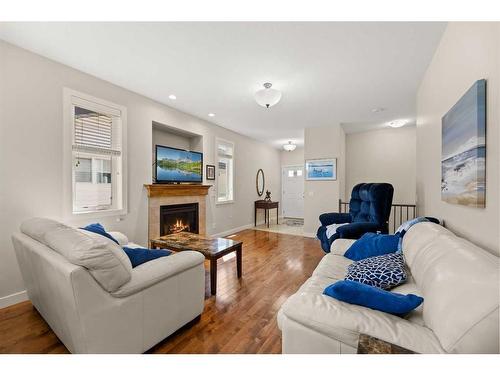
[178, 226]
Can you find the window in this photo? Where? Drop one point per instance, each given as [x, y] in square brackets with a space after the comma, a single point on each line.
[97, 157]
[225, 162]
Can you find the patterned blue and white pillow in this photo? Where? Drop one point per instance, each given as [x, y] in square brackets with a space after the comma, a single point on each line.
[383, 271]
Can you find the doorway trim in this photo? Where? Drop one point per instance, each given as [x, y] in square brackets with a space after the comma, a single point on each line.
[282, 213]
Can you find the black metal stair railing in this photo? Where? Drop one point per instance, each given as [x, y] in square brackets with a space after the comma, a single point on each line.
[400, 212]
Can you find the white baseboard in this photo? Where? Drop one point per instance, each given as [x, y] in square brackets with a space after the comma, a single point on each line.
[312, 235]
[231, 231]
[13, 299]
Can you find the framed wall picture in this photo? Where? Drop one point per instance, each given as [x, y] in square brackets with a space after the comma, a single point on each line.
[321, 169]
[463, 152]
[210, 172]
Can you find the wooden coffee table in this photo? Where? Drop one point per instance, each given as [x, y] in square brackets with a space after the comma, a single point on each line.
[212, 249]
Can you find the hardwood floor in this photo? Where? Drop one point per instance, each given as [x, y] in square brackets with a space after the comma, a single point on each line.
[241, 318]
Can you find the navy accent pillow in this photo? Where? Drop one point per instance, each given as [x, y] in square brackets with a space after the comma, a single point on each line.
[139, 256]
[99, 229]
[372, 244]
[384, 271]
[374, 298]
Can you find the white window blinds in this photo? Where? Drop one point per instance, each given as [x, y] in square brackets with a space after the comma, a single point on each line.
[96, 132]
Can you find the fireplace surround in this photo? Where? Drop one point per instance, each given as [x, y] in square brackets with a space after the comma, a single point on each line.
[175, 218]
[166, 194]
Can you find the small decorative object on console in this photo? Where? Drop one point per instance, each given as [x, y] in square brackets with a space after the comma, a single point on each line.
[268, 196]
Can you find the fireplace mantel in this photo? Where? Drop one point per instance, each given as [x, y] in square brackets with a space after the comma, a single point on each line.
[160, 190]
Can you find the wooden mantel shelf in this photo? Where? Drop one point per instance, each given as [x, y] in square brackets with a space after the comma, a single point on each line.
[159, 190]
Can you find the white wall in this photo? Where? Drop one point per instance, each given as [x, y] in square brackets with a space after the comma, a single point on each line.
[31, 153]
[467, 52]
[386, 155]
[295, 157]
[166, 138]
[322, 196]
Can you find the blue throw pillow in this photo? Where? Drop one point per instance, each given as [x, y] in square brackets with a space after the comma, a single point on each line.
[384, 271]
[374, 298]
[99, 229]
[139, 256]
[372, 244]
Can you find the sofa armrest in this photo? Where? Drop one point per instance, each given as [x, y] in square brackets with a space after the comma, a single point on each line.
[150, 273]
[356, 230]
[344, 322]
[334, 218]
[120, 237]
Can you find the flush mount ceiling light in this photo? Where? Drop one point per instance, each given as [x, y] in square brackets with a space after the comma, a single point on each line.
[289, 146]
[267, 97]
[172, 97]
[211, 114]
[397, 123]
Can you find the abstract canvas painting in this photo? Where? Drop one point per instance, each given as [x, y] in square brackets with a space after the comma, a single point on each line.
[463, 154]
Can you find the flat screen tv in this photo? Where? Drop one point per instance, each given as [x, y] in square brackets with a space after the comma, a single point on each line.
[174, 165]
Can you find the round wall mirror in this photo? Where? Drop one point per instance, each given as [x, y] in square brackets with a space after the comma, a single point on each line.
[260, 182]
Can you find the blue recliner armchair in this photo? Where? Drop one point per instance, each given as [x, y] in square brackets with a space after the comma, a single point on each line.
[369, 211]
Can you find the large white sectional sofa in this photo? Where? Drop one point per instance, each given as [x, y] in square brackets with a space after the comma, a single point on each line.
[84, 286]
[460, 314]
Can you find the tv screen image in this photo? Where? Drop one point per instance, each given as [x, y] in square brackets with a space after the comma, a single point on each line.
[175, 165]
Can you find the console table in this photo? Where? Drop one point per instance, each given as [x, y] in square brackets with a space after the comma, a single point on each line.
[266, 206]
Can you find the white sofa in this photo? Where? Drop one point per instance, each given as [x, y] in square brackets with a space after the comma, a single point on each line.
[460, 314]
[84, 286]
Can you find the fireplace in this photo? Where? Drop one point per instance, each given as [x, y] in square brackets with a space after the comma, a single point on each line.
[177, 218]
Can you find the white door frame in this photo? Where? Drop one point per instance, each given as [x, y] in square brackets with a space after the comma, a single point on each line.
[282, 212]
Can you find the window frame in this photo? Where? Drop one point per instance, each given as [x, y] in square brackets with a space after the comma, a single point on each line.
[73, 98]
[230, 143]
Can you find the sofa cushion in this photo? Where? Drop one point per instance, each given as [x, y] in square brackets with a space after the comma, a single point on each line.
[384, 271]
[103, 258]
[332, 266]
[38, 227]
[340, 246]
[120, 237]
[460, 284]
[372, 297]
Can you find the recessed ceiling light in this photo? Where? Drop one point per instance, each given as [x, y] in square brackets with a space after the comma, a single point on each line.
[377, 110]
[397, 123]
[211, 114]
[172, 97]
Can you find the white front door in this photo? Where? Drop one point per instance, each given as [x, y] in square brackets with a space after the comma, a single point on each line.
[293, 191]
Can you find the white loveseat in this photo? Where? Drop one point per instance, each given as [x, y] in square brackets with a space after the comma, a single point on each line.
[460, 314]
[84, 286]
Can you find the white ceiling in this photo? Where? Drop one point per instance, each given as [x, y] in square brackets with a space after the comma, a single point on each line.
[334, 72]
